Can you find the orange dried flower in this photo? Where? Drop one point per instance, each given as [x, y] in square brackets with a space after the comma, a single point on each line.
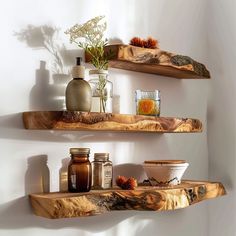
[130, 184]
[120, 180]
[149, 43]
[126, 183]
[152, 43]
[138, 42]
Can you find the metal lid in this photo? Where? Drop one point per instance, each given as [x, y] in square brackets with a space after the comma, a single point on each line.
[101, 156]
[142, 94]
[93, 72]
[76, 151]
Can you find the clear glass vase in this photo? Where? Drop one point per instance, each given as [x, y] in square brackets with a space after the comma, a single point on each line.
[102, 91]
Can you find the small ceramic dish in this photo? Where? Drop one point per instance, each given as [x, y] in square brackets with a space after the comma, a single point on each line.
[165, 172]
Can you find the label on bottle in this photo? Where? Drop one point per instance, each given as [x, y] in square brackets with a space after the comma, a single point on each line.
[73, 181]
[107, 177]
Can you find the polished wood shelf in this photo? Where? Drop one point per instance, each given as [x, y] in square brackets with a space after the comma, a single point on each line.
[143, 198]
[94, 121]
[155, 61]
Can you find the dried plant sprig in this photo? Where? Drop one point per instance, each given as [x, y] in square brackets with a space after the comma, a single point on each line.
[93, 34]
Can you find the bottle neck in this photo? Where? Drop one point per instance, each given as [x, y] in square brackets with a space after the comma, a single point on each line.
[78, 78]
[80, 158]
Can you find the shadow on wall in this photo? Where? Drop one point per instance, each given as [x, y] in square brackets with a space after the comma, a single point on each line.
[18, 215]
[46, 96]
[37, 176]
[63, 176]
[47, 93]
[46, 37]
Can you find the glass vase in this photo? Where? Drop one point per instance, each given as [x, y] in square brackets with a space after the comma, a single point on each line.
[102, 91]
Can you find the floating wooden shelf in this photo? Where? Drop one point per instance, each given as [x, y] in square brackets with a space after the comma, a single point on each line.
[66, 120]
[67, 205]
[155, 61]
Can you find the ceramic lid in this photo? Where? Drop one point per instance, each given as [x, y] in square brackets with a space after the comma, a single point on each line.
[165, 162]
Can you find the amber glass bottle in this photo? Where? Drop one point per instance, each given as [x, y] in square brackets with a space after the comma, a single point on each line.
[79, 170]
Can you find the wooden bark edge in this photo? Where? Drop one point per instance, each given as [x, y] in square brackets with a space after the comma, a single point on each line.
[66, 205]
[154, 61]
[67, 120]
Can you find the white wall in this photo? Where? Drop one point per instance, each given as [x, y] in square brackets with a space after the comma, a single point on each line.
[221, 113]
[180, 27]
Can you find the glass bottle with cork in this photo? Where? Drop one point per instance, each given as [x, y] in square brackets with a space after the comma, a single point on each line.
[79, 170]
[101, 171]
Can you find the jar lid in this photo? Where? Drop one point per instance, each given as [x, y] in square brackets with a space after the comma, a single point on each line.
[75, 151]
[101, 156]
[141, 94]
[93, 72]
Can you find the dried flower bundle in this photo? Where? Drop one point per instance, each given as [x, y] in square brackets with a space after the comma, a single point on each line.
[144, 43]
[92, 32]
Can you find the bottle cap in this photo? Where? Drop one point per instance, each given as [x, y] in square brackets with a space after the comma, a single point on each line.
[101, 156]
[77, 151]
[78, 71]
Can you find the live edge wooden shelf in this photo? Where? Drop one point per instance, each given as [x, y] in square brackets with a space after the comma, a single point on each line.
[92, 121]
[154, 61]
[67, 205]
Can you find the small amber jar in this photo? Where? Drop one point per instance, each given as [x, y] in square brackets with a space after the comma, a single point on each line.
[79, 170]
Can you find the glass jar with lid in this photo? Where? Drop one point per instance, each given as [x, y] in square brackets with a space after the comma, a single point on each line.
[79, 170]
[102, 91]
[102, 171]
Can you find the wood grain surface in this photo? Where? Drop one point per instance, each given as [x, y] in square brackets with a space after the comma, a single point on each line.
[67, 205]
[93, 121]
[155, 61]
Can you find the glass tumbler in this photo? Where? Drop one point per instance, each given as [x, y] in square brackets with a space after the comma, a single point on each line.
[148, 102]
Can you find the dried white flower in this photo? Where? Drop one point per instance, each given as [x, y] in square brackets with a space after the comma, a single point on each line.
[92, 31]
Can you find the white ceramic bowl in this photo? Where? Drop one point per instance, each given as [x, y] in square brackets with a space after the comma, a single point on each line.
[165, 172]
